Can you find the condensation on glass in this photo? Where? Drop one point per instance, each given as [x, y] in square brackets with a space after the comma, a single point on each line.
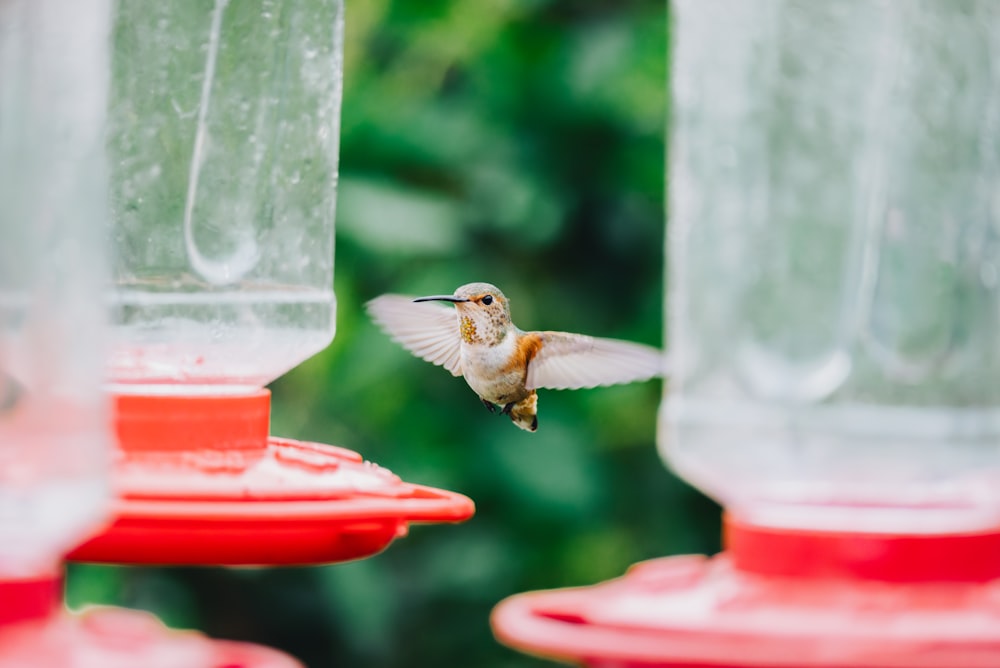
[53, 422]
[224, 127]
[834, 261]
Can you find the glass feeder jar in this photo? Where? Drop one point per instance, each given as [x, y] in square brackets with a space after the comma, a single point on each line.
[223, 137]
[834, 262]
[223, 128]
[54, 444]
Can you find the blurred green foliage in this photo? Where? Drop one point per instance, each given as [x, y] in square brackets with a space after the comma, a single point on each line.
[519, 142]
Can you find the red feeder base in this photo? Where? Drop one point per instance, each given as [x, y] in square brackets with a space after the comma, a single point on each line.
[116, 638]
[36, 632]
[868, 602]
[200, 482]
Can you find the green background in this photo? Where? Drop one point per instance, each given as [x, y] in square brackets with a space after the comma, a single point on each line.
[519, 142]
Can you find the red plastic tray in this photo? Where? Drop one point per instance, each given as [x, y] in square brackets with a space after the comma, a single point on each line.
[860, 601]
[200, 482]
[43, 636]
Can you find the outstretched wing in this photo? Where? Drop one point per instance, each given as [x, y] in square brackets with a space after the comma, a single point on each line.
[572, 361]
[429, 331]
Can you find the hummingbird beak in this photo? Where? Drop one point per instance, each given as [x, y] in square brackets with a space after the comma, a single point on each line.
[441, 298]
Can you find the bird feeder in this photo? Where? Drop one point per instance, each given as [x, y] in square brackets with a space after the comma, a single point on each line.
[223, 145]
[54, 440]
[834, 320]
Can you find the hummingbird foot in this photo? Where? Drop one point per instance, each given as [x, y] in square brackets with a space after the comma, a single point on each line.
[489, 405]
[507, 408]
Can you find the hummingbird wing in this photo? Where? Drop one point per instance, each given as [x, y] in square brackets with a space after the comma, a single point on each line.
[572, 361]
[429, 331]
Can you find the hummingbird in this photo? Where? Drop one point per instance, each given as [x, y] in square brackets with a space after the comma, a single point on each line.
[503, 364]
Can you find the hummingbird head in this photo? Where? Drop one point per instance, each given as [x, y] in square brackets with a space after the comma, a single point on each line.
[483, 311]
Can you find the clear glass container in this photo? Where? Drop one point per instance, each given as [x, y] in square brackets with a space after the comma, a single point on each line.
[224, 129]
[834, 261]
[54, 446]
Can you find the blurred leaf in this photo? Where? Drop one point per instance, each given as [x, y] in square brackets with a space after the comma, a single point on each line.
[548, 472]
[391, 220]
[92, 584]
[364, 599]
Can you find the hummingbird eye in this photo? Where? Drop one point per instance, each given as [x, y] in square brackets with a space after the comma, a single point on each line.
[487, 300]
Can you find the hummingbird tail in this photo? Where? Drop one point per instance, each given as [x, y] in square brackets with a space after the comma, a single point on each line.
[525, 412]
